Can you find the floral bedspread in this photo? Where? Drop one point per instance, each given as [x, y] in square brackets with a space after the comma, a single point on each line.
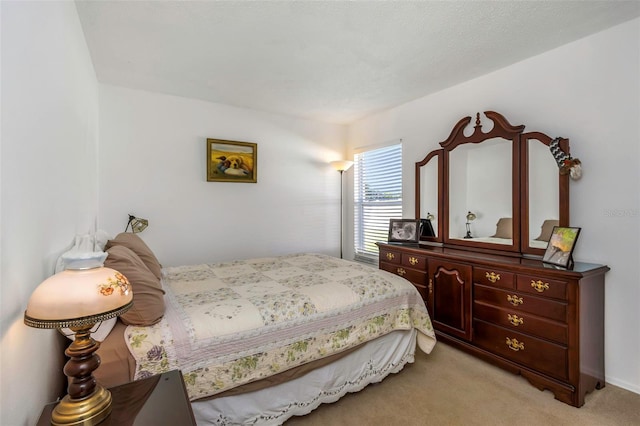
[232, 323]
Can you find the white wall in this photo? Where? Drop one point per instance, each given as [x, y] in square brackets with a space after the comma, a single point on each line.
[152, 164]
[588, 91]
[48, 178]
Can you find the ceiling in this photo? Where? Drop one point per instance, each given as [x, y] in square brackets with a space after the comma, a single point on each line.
[332, 61]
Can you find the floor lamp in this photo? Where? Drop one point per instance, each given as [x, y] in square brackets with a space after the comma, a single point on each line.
[341, 166]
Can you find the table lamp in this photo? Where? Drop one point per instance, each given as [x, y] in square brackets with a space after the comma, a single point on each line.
[137, 224]
[77, 298]
[470, 218]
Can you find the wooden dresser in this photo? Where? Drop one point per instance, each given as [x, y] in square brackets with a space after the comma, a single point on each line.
[543, 322]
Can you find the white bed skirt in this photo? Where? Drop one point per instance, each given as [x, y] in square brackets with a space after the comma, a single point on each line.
[370, 363]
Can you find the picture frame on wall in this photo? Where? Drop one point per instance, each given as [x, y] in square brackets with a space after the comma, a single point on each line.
[404, 231]
[232, 161]
[561, 245]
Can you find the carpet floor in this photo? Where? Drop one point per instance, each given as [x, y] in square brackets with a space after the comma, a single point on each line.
[449, 387]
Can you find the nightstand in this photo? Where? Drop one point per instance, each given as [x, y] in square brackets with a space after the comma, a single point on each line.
[157, 400]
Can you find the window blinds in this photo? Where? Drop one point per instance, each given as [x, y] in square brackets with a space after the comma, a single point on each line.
[377, 197]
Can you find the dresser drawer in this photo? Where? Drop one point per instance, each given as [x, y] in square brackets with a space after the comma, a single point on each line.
[522, 322]
[389, 267]
[542, 286]
[416, 277]
[390, 256]
[414, 261]
[493, 277]
[546, 357]
[546, 308]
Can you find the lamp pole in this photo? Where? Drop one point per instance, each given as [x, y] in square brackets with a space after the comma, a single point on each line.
[341, 166]
[341, 210]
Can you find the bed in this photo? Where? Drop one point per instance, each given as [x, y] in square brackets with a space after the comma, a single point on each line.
[504, 229]
[507, 241]
[261, 340]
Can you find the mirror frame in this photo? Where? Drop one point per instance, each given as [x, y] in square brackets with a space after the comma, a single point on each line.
[501, 129]
[520, 183]
[438, 154]
[563, 189]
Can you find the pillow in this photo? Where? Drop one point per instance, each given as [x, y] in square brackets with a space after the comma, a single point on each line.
[148, 295]
[82, 244]
[135, 244]
[100, 239]
[546, 229]
[504, 228]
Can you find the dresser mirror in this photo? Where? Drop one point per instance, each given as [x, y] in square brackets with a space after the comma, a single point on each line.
[499, 189]
[480, 186]
[545, 195]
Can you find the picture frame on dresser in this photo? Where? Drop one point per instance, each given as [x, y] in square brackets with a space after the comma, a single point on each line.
[426, 228]
[404, 231]
[561, 245]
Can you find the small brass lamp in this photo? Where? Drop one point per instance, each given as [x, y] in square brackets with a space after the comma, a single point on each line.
[470, 218]
[137, 224]
[77, 298]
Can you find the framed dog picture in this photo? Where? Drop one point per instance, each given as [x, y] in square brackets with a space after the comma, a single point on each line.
[231, 161]
[560, 248]
[404, 231]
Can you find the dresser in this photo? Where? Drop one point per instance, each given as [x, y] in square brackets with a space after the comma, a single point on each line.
[543, 322]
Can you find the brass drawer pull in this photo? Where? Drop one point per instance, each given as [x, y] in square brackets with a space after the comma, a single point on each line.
[413, 261]
[539, 286]
[514, 320]
[430, 286]
[493, 277]
[401, 272]
[390, 256]
[515, 300]
[514, 345]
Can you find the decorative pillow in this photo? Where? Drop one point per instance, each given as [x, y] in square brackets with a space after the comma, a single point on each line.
[148, 295]
[547, 229]
[504, 228]
[81, 244]
[101, 238]
[135, 244]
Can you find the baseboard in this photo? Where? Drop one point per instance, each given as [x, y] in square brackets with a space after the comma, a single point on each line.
[622, 384]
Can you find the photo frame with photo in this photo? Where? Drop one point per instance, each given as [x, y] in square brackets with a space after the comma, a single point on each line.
[404, 231]
[561, 245]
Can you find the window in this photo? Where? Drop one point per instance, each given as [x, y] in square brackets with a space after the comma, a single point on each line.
[377, 197]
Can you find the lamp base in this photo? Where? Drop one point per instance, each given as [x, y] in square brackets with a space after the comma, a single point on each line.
[87, 403]
[83, 412]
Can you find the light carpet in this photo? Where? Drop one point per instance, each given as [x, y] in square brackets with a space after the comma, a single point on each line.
[450, 387]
